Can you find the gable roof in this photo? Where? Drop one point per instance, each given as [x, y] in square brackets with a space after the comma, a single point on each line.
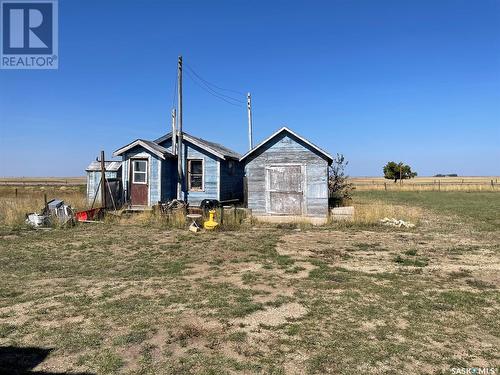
[285, 129]
[212, 147]
[155, 148]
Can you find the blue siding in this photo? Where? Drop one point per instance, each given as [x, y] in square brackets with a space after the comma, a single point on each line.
[211, 172]
[220, 181]
[93, 178]
[155, 163]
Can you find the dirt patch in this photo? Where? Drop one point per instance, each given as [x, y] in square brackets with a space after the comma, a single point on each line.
[273, 316]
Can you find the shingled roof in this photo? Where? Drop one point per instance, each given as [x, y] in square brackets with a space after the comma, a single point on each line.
[214, 148]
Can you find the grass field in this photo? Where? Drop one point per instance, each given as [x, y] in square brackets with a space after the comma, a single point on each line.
[482, 209]
[340, 299]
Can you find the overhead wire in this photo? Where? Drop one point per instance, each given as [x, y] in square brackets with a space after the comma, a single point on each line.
[212, 88]
[211, 84]
[218, 95]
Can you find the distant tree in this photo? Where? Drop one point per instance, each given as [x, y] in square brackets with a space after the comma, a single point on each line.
[398, 171]
[339, 187]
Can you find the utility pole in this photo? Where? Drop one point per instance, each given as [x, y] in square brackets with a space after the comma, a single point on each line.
[179, 119]
[103, 181]
[174, 134]
[250, 130]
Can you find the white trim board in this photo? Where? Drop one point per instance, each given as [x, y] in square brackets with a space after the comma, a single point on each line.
[160, 152]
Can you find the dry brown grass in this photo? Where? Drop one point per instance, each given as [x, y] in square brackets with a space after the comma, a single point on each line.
[14, 207]
[371, 212]
[486, 183]
[42, 181]
[175, 219]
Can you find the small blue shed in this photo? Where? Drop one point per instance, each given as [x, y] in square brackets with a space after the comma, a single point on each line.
[149, 173]
[113, 170]
[287, 179]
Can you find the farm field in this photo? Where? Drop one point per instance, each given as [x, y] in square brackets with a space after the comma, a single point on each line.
[344, 298]
[42, 181]
[461, 183]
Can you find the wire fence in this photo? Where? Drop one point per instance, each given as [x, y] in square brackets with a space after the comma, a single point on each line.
[456, 184]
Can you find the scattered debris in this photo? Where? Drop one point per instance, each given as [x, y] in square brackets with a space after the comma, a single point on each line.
[88, 216]
[54, 212]
[173, 205]
[396, 223]
[194, 227]
[36, 220]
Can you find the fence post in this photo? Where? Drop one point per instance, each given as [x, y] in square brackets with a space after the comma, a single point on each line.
[385, 186]
[492, 186]
[16, 193]
[45, 203]
[439, 185]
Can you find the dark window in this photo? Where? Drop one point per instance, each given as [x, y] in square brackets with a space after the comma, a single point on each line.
[195, 175]
[231, 167]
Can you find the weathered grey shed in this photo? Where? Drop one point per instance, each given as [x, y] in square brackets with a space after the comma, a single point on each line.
[287, 179]
[113, 170]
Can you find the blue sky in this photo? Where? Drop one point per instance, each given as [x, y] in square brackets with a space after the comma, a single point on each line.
[413, 81]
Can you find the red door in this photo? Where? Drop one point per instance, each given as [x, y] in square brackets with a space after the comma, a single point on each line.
[139, 182]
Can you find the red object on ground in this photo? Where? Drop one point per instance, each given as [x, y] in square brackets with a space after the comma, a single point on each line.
[86, 215]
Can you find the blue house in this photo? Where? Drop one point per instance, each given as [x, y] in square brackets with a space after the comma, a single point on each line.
[209, 171]
[287, 179]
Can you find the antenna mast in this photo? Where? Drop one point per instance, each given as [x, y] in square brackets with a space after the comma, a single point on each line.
[250, 130]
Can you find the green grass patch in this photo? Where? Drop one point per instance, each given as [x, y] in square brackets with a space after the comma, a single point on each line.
[480, 208]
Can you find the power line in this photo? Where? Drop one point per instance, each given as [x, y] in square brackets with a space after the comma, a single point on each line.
[214, 93]
[211, 86]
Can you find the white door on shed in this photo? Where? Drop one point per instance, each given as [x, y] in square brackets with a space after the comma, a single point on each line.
[284, 189]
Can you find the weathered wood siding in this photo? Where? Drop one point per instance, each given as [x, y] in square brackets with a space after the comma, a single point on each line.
[93, 187]
[154, 173]
[287, 149]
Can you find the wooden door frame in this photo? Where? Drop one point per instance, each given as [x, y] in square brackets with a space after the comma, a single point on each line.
[303, 172]
[188, 183]
[131, 176]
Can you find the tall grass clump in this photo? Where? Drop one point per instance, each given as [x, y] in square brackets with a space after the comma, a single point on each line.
[230, 218]
[153, 218]
[372, 212]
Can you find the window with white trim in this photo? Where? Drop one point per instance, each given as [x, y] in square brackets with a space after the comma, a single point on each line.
[139, 171]
[195, 175]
